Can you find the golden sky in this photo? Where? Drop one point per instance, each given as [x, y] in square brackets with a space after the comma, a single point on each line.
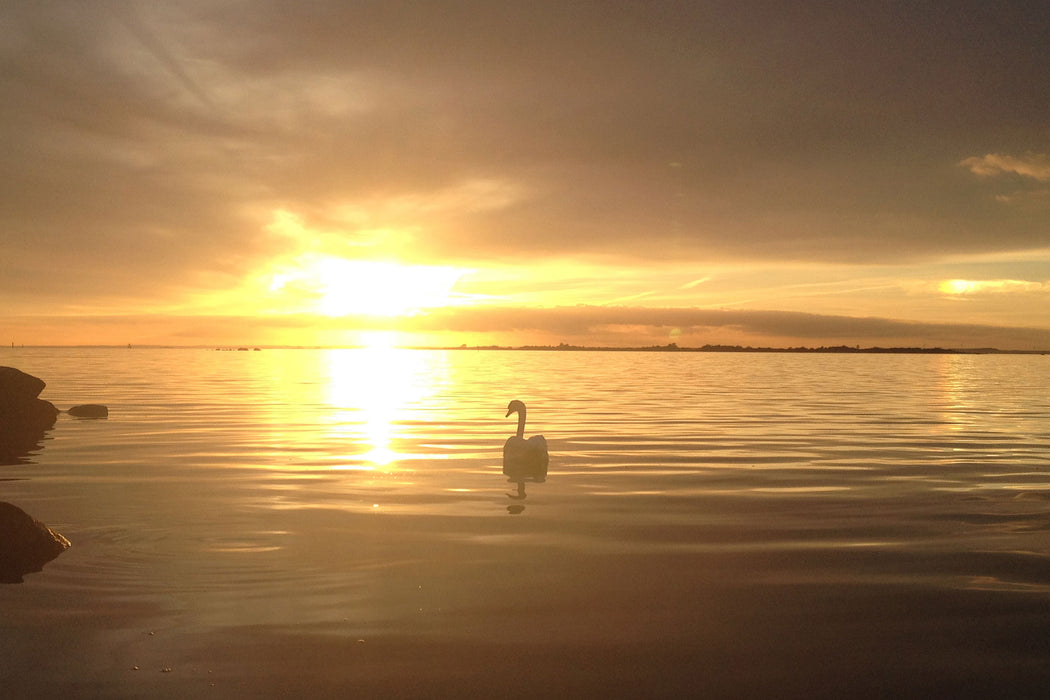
[595, 173]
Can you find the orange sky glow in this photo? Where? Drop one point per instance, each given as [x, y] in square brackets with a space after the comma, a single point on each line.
[698, 173]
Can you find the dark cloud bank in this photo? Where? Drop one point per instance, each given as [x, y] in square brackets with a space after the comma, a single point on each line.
[578, 325]
[781, 328]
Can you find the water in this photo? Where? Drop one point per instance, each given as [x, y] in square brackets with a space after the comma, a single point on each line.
[336, 522]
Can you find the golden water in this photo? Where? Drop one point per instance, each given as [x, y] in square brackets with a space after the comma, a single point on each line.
[337, 521]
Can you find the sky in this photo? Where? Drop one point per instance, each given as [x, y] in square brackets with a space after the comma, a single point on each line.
[593, 173]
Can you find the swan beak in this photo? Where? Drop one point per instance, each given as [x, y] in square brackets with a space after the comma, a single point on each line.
[508, 413]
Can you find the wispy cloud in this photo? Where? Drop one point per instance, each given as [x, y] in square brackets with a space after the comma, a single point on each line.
[155, 46]
[1031, 165]
[1032, 168]
[695, 283]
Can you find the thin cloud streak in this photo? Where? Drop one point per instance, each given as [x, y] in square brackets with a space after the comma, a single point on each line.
[152, 43]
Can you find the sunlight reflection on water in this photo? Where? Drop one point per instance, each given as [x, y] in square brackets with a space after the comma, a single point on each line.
[373, 391]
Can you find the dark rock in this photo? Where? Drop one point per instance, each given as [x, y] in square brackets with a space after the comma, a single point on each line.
[17, 385]
[89, 410]
[26, 544]
[24, 419]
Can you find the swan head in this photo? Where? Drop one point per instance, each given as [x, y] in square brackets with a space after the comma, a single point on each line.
[515, 406]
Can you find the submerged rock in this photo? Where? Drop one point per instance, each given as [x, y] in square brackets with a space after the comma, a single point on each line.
[24, 418]
[89, 410]
[26, 544]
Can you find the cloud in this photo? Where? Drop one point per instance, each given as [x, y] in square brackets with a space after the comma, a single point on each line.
[1030, 168]
[1031, 165]
[695, 283]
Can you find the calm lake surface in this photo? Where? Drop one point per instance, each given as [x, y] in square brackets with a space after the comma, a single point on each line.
[335, 522]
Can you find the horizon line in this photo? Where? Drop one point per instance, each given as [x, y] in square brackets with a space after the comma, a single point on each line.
[565, 347]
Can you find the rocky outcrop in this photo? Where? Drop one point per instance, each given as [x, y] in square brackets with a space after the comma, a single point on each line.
[24, 418]
[26, 544]
[89, 410]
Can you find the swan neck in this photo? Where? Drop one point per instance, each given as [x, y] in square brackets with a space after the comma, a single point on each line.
[521, 423]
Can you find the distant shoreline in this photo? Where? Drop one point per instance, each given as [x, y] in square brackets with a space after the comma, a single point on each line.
[564, 347]
[834, 349]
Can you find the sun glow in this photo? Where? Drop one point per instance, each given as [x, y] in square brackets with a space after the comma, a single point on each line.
[379, 341]
[982, 286]
[958, 286]
[382, 289]
[342, 287]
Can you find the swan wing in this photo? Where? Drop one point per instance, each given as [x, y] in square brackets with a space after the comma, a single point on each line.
[525, 459]
[538, 445]
[539, 457]
[514, 446]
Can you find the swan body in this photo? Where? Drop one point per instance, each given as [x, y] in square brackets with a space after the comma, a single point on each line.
[524, 459]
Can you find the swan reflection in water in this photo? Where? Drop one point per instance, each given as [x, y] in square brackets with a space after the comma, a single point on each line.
[523, 460]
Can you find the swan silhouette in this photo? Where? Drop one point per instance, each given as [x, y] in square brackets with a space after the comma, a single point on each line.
[524, 460]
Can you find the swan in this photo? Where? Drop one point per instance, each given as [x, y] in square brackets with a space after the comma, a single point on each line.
[524, 459]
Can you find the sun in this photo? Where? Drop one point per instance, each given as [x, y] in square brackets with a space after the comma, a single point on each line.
[382, 289]
[380, 341]
[342, 287]
[959, 286]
